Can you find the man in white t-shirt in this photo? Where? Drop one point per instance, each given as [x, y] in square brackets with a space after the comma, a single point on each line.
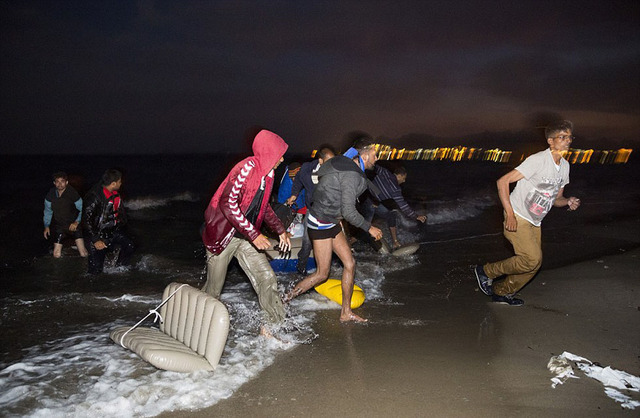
[540, 185]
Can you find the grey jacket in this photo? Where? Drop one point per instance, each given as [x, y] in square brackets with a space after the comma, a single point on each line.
[340, 182]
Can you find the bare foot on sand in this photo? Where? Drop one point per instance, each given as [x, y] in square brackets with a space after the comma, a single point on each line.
[351, 317]
[267, 333]
[290, 296]
[264, 332]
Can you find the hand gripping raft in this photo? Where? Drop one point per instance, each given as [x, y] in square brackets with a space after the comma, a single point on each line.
[287, 262]
[192, 335]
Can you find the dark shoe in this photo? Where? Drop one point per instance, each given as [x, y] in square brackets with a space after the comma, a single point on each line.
[507, 300]
[484, 283]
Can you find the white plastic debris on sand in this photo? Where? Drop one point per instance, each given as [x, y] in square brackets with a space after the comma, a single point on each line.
[614, 380]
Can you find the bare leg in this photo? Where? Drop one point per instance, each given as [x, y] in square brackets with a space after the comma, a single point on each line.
[81, 248]
[394, 237]
[57, 250]
[343, 251]
[322, 252]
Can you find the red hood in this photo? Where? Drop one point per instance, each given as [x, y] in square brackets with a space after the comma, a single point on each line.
[225, 215]
[268, 148]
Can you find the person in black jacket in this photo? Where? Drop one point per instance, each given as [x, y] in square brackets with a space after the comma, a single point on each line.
[103, 220]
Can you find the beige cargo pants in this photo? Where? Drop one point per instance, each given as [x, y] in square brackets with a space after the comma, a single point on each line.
[256, 266]
[520, 269]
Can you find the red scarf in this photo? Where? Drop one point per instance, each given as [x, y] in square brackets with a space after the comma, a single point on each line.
[114, 197]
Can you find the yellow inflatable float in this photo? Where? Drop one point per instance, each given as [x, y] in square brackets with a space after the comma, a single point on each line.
[332, 289]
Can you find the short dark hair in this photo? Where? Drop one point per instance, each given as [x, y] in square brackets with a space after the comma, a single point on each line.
[400, 171]
[362, 144]
[324, 151]
[558, 126]
[110, 176]
[59, 174]
[293, 165]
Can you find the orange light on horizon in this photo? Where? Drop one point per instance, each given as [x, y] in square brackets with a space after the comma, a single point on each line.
[579, 156]
[454, 154]
[496, 155]
[622, 157]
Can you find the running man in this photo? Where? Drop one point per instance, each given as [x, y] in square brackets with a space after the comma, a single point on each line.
[540, 179]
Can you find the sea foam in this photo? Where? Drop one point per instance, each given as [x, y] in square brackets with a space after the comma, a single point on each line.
[87, 375]
[155, 201]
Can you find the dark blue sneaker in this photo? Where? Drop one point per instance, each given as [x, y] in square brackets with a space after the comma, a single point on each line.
[507, 300]
[484, 283]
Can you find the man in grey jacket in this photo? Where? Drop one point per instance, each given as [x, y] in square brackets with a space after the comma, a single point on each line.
[341, 181]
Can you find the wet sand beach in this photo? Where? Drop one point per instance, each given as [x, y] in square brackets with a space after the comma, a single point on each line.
[443, 349]
[434, 346]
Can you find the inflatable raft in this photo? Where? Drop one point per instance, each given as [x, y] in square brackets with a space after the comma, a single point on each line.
[288, 262]
[332, 289]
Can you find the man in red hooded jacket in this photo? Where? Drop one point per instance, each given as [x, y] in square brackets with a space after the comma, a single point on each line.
[233, 220]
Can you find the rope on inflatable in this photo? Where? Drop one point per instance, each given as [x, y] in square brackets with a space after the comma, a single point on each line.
[151, 312]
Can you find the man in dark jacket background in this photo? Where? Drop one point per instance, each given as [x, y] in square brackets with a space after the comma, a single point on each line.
[103, 220]
[389, 200]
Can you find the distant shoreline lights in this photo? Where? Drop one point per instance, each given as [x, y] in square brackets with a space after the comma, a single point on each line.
[578, 156]
[459, 153]
[496, 155]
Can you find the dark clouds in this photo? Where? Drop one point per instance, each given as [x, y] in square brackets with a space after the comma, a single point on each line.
[191, 76]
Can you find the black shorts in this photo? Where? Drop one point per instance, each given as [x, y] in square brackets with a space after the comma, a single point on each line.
[317, 234]
[59, 233]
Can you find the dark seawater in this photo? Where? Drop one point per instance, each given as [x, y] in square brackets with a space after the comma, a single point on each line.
[56, 358]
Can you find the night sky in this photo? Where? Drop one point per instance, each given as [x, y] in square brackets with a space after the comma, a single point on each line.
[194, 76]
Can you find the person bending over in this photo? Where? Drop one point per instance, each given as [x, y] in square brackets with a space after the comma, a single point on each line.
[104, 221]
[340, 181]
[389, 199]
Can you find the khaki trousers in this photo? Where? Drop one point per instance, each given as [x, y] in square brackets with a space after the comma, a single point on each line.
[257, 268]
[520, 269]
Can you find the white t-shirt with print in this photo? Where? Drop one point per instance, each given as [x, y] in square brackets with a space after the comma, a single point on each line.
[534, 194]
